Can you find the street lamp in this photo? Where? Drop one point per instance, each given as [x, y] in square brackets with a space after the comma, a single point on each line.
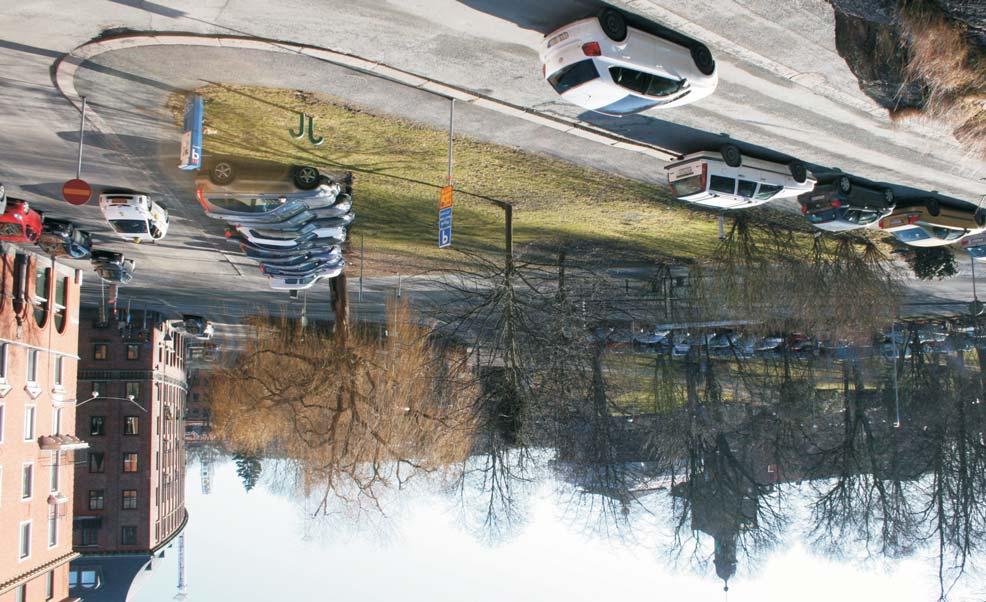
[95, 395]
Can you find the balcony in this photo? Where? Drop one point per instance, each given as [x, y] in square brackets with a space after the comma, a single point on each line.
[61, 443]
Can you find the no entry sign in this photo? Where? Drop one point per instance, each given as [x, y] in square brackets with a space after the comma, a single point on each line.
[77, 191]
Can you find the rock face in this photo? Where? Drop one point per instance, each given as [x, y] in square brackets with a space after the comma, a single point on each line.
[875, 54]
[867, 38]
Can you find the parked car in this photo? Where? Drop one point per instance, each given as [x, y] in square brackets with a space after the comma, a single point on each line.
[975, 245]
[273, 238]
[602, 64]
[291, 283]
[134, 216]
[113, 267]
[19, 223]
[193, 325]
[838, 204]
[321, 254]
[933, 224]
[304, 269]
[729, 180]
[294, 213]
[3, 198]
[265, 191]
[61, 238]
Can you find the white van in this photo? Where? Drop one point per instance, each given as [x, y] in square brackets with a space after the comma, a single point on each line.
[134, 216]
[728, 180]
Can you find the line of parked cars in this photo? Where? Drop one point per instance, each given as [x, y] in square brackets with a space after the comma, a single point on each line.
[617, 64]
[291, 220]
[59, 238]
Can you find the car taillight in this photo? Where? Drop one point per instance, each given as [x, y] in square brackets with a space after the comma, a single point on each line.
[836, 204]
[592, 49]
[804, 209]
[883, 224]
[913, 218]
[201, 197]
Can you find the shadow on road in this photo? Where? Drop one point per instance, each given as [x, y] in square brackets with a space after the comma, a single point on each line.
[543, 16]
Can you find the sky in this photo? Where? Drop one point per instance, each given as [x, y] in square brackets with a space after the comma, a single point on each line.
[255, 546]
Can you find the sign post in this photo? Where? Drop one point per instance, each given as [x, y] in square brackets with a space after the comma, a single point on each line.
[82, 129]
[191, 137]
[445, 218]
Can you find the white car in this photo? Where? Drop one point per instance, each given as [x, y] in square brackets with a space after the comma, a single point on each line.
[294, 283]
[728, 180]
[134, 216]
[331, 236]
[602, 65]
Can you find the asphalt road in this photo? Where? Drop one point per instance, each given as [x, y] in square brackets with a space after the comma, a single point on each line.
[784, 92]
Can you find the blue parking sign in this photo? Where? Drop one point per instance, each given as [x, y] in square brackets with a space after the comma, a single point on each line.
[445, 228]
[191, 137]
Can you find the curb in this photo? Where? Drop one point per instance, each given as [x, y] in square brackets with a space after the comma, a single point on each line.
[64, 70]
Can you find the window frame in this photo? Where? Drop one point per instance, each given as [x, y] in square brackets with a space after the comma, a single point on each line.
[135, 347]
[102, 462]
[59, 370]
[106, 351]
[21, 540]
[60, 308]
[41, 305]
[133, 420]
[124, 497]
[136, 466]
[739, 184]
[32, 366]
[101, 497]
[102, 426]
[52, 526]
[30, 428]
[712, 178]
[27, 483]
[50, 585]
[125, 529]
[127, 393]
[3, 361]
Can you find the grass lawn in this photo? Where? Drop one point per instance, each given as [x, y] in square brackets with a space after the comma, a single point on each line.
[399, 167]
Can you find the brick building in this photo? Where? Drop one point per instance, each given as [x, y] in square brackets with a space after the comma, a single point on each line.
[39, 327]
[130, 494]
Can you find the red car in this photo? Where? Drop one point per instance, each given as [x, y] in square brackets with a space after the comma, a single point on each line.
[20, 223]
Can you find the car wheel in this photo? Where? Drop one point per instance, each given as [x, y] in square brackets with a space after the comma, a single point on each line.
[731, 155]
[703, 59]
[306, 177]
[845, 184]
[613, 24]
[888, 197]
[934, 207]
[222, 173]
[798, 171]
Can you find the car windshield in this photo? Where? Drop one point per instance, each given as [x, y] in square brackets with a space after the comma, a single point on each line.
[239, 205]
[946, 233]
[573, 75]
[858, 216]
[822, 216]
[129, 226]
[767, 191]
[912, 234]
[978, 251]
[9, 229]
[647, 84]
[688, 186]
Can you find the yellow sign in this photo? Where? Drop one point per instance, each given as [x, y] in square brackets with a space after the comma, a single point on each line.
[445, 201]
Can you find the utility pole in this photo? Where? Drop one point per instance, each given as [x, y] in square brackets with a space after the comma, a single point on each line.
[182, 585]
[451, 126]
[82, 128]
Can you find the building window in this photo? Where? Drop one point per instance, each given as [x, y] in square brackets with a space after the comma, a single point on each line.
[100, 351]
[29, 413]
[130, 425]
[128, 536]
[130, 462]
[59, 365]
[52, 526]
[53, 475]
[32, 366]
[133, 389]
[41, 276]
[129, 499]
[96, 499]
[24, 551]
[3, 362]
[27, 481]
[133, 352]
[2, 407]
[50, 585]
[21, 593]
[98, 388]
[90, 536]
[97, 462]
[61, 303]
[97, 426]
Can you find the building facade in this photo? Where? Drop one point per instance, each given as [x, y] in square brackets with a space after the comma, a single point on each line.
[39, 328]
[129, 493]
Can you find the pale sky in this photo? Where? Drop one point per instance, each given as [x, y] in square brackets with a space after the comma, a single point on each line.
[249, 547]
